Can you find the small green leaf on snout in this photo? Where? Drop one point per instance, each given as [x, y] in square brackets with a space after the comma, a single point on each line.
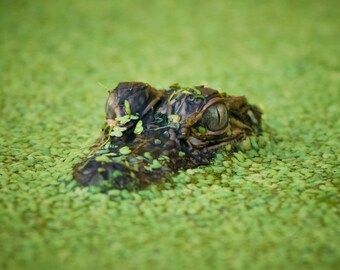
[118, 131]
[202, 130]
[123, 119]
[127, 107]
[174, 118]
[148, 168]
[155, 164]
[181, 153]
[139, 128]
[147, 155]
[125, 150]
[103, 159]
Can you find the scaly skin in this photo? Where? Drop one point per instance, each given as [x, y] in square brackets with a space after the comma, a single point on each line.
[181, 128]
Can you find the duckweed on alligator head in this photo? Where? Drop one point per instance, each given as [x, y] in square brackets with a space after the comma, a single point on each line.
[151, 133]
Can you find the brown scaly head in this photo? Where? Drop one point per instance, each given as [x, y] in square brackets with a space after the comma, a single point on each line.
[150, 133]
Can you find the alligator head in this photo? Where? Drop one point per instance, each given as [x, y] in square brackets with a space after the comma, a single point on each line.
[152, 133]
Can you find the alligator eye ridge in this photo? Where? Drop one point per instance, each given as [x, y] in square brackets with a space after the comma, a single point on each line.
[215, 118]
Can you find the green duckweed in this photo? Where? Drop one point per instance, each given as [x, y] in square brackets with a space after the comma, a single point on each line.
[273, 204]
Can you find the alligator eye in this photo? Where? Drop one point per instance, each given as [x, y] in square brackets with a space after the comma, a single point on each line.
[215, 117]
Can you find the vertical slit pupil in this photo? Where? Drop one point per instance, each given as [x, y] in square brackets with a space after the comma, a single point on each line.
[218, 115]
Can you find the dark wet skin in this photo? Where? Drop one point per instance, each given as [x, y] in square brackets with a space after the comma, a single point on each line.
[150, 134]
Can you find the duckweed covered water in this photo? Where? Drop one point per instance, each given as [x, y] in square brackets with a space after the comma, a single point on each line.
[272, 205]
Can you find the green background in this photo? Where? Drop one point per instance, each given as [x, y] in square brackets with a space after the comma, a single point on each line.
[272, 207]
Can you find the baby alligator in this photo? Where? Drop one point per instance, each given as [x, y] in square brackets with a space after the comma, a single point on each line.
[150, 133]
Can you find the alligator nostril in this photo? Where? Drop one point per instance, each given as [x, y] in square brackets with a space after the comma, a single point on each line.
[157, 142]
[166, 134]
